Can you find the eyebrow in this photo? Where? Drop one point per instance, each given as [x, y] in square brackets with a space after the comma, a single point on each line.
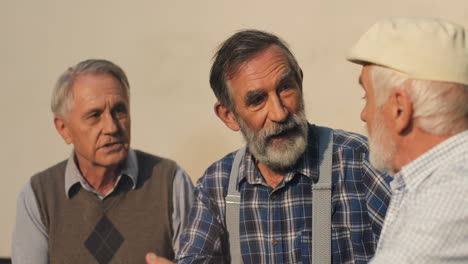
[285, 75]
[252, 95]
[119, 104]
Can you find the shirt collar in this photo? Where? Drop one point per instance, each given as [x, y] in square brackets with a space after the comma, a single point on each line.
[306, 165]
[412, 174]
[73, 175]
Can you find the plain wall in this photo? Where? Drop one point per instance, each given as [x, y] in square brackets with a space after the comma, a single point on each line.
[166, 47]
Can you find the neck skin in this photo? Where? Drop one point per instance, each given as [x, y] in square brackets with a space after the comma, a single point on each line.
[413, 144]
[272, 178]
[102, 179]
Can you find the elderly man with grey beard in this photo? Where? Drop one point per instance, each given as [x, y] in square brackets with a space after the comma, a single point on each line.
[415, 77]
[262, 203]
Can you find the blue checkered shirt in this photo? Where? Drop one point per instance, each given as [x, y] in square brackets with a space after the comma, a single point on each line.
[276, 224]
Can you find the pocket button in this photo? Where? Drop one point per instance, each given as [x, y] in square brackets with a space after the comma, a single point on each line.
[274, 242]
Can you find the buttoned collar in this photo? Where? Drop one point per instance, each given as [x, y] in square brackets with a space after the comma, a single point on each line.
[73, 175]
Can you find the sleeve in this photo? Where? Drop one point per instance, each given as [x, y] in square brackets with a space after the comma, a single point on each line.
[378, 195]
[202, 240]
[30, 239]
[432, 225]
[182, 197]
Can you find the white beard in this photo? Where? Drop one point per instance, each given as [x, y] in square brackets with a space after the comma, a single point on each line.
[382, 148]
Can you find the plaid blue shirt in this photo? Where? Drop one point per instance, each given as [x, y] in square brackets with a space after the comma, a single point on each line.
[276, 224]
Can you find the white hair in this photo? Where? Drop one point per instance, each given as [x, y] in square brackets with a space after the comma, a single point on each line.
[441, 108]
[62, 99]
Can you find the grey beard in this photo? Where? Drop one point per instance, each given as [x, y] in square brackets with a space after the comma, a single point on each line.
[278, 156]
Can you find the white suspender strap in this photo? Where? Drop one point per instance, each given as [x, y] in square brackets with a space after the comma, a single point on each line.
[232, 210]
[321, 200]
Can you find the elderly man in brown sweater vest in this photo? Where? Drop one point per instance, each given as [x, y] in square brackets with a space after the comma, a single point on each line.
[106, 203]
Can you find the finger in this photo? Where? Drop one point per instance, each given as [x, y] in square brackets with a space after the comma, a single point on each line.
[151, 258]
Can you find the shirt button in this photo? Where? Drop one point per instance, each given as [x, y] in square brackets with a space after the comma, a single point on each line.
[274, 242]
[273, 197]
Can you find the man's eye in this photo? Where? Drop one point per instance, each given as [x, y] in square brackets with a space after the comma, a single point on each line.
[120, 109]
[256, 100]
[285, 86]
[94, 115]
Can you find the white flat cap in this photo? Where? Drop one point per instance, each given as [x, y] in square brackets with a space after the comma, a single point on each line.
[423, 48]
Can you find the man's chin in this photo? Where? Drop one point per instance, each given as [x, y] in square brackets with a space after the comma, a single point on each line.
[114, 159]
[283, 156]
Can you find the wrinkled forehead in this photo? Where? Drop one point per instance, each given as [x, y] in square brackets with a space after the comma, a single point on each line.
[365, 78]
[242, 63]
[265, 65]
[94, 77]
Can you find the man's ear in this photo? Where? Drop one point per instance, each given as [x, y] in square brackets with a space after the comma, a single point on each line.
[62, 128]
[226, 116]
[401, 110]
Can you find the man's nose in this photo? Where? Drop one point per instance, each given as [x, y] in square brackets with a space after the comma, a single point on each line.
[110, 125]
[364, 115]
[277, 111]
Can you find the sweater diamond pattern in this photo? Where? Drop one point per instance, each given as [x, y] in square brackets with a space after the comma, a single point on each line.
[104, 241]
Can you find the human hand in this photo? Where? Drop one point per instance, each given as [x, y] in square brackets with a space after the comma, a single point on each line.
[151, 258]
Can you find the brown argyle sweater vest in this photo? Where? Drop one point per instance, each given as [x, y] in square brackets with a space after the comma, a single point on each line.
[122, 228]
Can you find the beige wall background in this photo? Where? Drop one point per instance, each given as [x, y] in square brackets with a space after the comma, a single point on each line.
[166, 47]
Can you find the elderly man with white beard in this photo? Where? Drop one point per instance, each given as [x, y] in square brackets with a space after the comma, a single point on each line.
[415, 77]
[258, 84]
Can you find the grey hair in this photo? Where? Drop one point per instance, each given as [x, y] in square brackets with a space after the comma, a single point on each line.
[62, 99]
[239, 49]
[440, 107]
